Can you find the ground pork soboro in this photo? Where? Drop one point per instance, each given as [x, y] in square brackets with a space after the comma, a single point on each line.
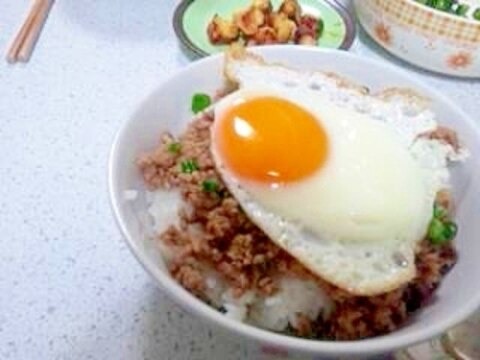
[215, 233]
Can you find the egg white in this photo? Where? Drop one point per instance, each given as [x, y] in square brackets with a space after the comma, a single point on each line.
[356, 222]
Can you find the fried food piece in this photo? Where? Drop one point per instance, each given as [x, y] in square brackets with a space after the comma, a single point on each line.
[284, 27]
[292, 9]
[249, 21]
[260, 24]
[265, 35]
[306, 40]
[308, 30]
[263, 5]
[221, 31]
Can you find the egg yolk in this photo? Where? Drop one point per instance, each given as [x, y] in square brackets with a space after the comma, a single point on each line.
[271, 140]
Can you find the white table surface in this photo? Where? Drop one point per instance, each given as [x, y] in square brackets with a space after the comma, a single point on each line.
[69, 287]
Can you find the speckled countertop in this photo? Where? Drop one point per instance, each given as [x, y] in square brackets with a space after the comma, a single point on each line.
[69, 287]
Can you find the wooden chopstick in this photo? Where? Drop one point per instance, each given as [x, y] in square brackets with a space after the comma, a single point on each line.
[24, 43]
[32, 36]
[22, 33]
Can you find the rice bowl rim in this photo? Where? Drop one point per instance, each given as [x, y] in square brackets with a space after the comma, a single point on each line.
[182, 297]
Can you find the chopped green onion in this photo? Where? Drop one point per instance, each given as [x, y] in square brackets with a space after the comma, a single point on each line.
[462, 9]
[443, 5]
[189, 166]
[439, 212]
[440, 232]
[451, 230]
[435, 231]
[200, 102]
[210, 186]
[451, 6]
[476, 14]
[174, 147]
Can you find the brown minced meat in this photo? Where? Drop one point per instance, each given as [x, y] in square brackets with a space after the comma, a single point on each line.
[214, 231]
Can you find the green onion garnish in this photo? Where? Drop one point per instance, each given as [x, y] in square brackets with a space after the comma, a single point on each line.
[174, 147]
[476, 14]
[189, 166]
[435, 232]
[451, 6]
[439, 212]
[462, 9]
[440, 233]
[441, 230]
[443, 5]
[200, 102]
[210, 186]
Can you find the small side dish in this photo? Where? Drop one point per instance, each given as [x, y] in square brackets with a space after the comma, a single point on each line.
[469, 9]
[438, 35]
[261, 24]
[328, 238]
[206, 27]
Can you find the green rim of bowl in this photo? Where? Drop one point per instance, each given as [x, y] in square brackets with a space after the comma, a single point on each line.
[339, 24]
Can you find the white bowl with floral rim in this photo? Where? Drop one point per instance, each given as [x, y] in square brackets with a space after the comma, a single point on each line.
[426, 37]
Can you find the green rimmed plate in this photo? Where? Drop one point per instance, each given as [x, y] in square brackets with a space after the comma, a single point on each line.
[191, 19]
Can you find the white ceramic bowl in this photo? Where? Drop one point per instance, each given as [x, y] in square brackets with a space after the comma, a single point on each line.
[168, 108]
[423, 36]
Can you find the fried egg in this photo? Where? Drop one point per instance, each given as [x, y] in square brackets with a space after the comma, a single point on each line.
[340, 180]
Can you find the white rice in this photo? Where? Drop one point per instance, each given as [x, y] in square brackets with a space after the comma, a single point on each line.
[277, 312]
